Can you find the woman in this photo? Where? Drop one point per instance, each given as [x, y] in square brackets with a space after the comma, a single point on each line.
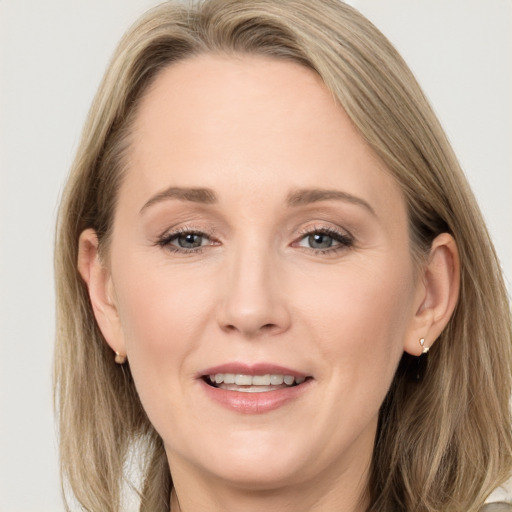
[264, 236]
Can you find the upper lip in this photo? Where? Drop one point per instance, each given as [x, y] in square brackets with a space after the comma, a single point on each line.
[251, 369]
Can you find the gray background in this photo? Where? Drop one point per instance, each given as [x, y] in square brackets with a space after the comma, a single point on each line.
[52, 55]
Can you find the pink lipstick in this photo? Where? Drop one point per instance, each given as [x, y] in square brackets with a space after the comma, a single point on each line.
[253, 389]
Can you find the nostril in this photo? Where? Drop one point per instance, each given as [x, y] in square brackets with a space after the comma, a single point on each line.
[252, 319]
[252, 330]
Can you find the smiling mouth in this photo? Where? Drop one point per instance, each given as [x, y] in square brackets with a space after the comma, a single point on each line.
[246, 383]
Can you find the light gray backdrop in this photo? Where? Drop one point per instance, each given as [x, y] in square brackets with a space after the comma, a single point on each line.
[52, 55]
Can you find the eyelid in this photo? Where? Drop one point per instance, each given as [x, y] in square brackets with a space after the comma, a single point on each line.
[343, 236]
[324, 228]
[164, 240]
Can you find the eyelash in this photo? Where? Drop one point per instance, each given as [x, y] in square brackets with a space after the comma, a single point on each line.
[344, 240]
[166, 240]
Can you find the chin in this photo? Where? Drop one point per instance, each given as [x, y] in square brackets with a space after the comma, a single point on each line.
[253, 461]
[259, 476]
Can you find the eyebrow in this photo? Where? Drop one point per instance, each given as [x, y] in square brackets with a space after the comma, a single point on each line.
[296, 198]
[195, 195]
[314, 195]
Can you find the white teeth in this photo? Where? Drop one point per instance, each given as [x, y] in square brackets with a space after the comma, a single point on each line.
[240, 379]
[229, 378]
[276, 380]
[289, 380]
[261, 380]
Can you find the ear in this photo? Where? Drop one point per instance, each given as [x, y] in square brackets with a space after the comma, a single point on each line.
[98, 279]
[436, 295]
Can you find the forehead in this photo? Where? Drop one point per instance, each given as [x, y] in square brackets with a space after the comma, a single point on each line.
[255, 121]
[253, 97]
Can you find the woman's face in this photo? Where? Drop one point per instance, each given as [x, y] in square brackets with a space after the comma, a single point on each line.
[258, 242]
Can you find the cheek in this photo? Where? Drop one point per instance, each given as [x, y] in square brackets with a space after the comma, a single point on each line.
[157, 305]
[161, 325]
[361, 317]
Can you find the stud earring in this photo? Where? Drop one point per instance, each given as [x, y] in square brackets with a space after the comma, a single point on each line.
[421, 362]
[119, 358]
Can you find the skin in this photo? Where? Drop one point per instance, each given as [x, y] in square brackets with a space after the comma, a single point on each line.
[254, 131]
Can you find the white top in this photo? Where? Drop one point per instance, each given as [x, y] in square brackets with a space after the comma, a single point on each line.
[502, 494]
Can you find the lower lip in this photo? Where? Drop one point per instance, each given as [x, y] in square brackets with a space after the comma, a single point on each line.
[255, 403]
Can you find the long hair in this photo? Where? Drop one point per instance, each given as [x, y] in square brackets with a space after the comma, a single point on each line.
[443, 444]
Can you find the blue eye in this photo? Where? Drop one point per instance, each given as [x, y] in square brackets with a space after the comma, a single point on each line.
[188, 240]
[320, 241]
[325, 240]
[185, 241]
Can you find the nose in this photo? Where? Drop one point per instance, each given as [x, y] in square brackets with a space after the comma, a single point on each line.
[253, 301]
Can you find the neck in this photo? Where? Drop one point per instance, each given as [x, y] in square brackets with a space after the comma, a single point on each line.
[275, 501]
[346, 492]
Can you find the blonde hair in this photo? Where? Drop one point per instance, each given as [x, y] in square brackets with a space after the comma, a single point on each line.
[443, 444]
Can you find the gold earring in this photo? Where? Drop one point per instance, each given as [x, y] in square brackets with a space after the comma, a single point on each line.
[419, 364]
[119, 359]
